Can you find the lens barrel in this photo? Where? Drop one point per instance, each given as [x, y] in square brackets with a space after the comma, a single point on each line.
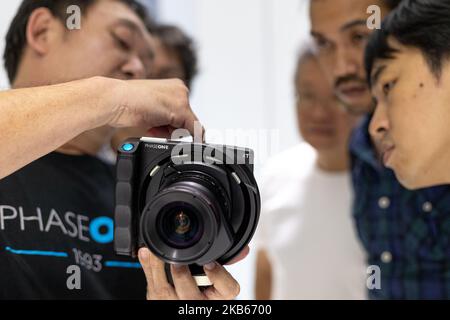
[182, 221]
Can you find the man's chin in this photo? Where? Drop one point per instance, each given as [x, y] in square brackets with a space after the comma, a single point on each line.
[410, 177]
[409, 182]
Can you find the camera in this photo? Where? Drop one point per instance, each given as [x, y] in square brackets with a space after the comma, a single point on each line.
[189, 203]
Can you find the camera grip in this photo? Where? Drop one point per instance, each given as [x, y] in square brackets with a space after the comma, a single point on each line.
[196, 271]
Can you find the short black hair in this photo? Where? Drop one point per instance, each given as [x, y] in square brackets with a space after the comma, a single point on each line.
[16, 36]
[423, 24]
[175, 39]
[392, 4]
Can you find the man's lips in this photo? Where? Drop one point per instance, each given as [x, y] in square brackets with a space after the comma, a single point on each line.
[386, 155]
[353, 90]
[321, 130]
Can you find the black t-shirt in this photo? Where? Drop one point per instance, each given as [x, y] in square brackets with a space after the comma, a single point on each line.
[56, 213]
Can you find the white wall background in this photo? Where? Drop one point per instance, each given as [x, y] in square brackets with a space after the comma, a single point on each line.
[7, 11]
[247, 52]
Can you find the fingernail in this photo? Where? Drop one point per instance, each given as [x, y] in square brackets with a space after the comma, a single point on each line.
[144, 253]
[210, 266]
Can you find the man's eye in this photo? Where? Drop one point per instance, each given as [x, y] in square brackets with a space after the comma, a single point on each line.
[388, 86]
[374, 102]
[121, 43]
[322, 43]
[306, 96]
[358, 38]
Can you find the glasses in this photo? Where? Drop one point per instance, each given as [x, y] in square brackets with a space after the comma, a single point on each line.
[309, 100]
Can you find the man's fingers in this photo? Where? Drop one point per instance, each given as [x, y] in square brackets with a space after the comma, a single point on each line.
[162, 288]
[180, 112]
[186, 119]
[160, 132]
[195, 128]
[185, 285]
[144, 259]
[153, 104]
[226, 287]
[211, 293]
[158, 286]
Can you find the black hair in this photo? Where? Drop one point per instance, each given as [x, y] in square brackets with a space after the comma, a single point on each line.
[392, 4]
[16, 36]
[175, 39]
[422, 24]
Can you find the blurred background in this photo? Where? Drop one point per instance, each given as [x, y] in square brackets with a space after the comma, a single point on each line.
[247, 54]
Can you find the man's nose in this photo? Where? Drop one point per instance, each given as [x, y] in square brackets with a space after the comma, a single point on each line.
[346, 62]
[320, 110]
[379, 125]
[134, 68]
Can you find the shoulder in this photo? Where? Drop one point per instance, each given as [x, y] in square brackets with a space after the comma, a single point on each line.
[287, 171]
[293, 163]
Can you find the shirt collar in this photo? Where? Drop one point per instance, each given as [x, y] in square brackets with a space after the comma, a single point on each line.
[361, 145]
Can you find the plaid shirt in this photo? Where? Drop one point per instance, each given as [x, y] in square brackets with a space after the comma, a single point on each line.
[405, 233]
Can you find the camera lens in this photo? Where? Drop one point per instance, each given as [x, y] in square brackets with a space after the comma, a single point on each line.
[181, 222]
[179, 225]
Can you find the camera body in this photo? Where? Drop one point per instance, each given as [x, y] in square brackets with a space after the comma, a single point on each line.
[189, 203]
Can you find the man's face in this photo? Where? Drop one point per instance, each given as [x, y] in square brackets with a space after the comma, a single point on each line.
[339, 28]
[112, 42]
[410, 125]
[323, 122]
[167, 63]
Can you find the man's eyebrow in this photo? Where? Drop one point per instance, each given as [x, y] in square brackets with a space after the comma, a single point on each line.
[316, 34]
[348, 25]
[376, 75]
[150, 54]
[352, 24]
[130, 25]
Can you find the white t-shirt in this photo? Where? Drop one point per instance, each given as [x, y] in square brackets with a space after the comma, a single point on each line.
[307, 229]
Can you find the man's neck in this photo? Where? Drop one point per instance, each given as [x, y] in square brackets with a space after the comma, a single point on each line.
[333, 160]
[89, 142]
[441, 168]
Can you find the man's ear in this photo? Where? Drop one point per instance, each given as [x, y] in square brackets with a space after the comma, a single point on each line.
[39, 30]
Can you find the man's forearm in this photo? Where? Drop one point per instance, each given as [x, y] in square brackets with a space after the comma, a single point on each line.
[36, 121]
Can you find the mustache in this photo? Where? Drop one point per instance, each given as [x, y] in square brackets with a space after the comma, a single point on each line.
[349, 78]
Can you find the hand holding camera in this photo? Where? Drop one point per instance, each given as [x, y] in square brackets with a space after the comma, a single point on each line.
[224, 286]
[191, 205]
[162, 104]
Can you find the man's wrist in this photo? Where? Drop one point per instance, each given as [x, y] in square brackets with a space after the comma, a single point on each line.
[106, 92]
